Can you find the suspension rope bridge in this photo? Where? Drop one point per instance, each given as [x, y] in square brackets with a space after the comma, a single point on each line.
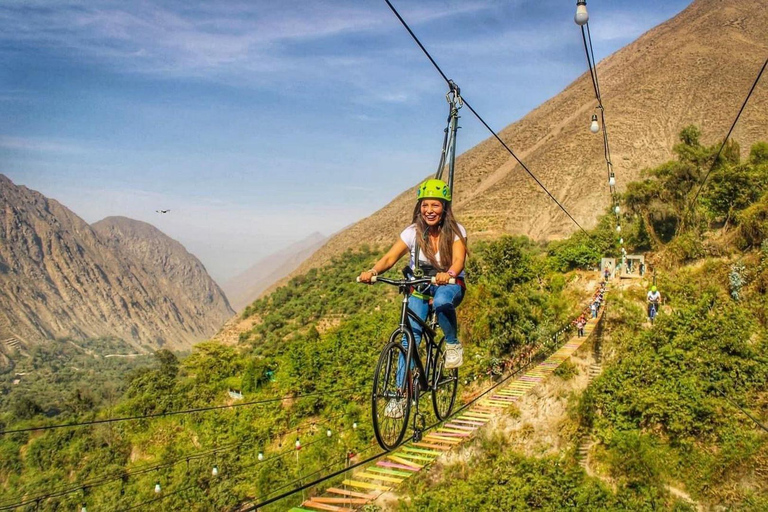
[383, 473]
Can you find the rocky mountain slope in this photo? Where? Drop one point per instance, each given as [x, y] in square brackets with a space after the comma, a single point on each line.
[246, 287]
[693, 69]
[60, 277]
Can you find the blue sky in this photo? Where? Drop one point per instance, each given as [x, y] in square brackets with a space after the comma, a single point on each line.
[259, 122]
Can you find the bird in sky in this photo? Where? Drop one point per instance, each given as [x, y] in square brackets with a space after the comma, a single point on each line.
[162, 211]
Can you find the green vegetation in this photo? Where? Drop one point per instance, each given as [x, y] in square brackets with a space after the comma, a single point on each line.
[319, 334]
[658, 411]
[66, 379]
[510, 481]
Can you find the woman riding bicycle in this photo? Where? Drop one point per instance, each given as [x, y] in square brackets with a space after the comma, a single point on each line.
[654, 299]
[438, 247]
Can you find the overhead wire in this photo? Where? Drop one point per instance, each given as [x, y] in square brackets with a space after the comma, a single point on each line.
[482, 121]
[125, 475]
[582, 19]
[176, 413]
[744, 411]
[522, 367]
[728, 135]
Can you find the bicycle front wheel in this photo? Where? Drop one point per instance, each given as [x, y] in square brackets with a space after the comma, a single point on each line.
[444, 384]
[390, 401]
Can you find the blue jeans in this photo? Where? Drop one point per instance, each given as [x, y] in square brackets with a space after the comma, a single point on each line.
[446, 298]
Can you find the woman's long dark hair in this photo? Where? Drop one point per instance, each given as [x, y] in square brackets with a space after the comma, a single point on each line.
[449, 230]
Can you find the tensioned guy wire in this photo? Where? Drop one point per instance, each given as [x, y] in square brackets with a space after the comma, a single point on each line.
[522, 367]
[482, 121]
[725, 140]
[237, 446]
[175, 413]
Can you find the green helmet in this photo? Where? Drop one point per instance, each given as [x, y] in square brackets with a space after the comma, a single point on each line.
[434, 189]
[653, 289]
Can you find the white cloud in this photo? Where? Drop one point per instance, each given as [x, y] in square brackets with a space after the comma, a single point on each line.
[192, 40]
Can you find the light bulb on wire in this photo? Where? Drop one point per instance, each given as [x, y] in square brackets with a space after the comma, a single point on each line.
[618, 229]
[595, 126]
[83, 508]
[612, 180]
[215, 470]
[328, 433]
[617, 210]
[582, 16]
[261, 456]
[158, 490]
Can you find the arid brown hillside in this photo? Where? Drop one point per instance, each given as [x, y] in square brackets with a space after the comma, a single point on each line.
[695, 68]
[60, 277]
[246, 287]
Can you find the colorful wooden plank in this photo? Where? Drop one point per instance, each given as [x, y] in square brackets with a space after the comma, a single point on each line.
[365, 485]
[344, 492]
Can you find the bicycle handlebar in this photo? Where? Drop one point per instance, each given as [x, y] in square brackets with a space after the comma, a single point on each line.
[412, 282]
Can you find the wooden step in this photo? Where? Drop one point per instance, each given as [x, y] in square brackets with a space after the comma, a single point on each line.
[344, 492]
[386, 471]
[432, 445]
[419, 450]
[365, 485]
[405, 462]
[395, 465]
[342, 501]
[322, 506]
[374, 476]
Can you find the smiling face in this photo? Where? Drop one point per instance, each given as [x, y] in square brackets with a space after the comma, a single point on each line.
[432, 211]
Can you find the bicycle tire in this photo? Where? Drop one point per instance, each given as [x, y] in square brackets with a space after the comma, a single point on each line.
[389, 431]
[444, 383]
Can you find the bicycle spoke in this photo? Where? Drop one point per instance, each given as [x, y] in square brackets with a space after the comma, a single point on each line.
[389, 401]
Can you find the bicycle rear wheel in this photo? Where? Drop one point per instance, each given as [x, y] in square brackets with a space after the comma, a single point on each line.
[391, 404]
[444, 383]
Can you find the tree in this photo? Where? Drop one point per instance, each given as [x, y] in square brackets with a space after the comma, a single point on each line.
[169, 363]
[729, 189]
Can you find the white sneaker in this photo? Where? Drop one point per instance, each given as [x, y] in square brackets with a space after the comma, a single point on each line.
[395, 408]
[454, 356]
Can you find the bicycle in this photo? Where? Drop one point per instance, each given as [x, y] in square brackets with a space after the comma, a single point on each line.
[652, 312]
[396, 390]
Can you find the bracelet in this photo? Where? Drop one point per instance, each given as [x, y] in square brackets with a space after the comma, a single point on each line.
[451, 273]
[373, 271]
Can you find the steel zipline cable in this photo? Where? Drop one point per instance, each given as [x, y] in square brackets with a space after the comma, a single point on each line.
[586, 36]
[736, 405]
[725, 140]
[482, 121]
[180, 412]
[582, 20]
[533, 359]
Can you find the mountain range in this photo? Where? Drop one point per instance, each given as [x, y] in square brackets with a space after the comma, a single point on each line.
[63, 278]
[696, 68]
[246, 287]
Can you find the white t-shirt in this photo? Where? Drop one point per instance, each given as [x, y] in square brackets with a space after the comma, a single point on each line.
[654, 296]
[408, 236]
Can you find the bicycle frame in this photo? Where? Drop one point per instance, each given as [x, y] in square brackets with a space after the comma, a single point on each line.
[412, 353]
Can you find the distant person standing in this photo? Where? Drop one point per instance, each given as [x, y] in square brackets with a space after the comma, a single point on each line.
[593, 309]
[580, 323]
